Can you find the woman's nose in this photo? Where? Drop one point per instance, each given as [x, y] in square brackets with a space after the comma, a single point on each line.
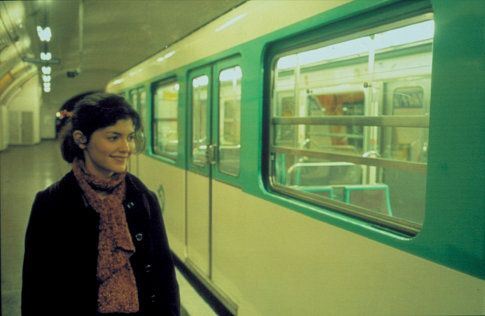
[125, 145]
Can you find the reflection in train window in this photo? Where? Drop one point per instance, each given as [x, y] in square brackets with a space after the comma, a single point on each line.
[349, 124]
[137, 98]
[230, 120]
[165, 124]
[138, 101]
[142, 105]
[200, 105]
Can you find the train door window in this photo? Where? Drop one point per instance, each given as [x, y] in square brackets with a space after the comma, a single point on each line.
[133, 99]
[200, 106]
[137, 98]
[349, 123]
[138, 101]
[165, 119]
[229, 120]
[142, 105]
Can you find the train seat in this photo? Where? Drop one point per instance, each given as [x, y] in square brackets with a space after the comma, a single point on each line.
[372, 196]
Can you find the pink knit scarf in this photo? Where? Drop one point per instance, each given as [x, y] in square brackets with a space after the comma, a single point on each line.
[117, 285]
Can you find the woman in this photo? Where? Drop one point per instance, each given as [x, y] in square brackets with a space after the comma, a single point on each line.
[96, 242]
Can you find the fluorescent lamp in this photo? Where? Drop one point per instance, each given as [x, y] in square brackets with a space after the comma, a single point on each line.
[414, 34]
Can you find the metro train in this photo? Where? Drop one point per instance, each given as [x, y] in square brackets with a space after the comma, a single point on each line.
[323, 157]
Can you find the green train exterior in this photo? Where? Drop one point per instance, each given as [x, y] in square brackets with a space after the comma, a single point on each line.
[299, 185]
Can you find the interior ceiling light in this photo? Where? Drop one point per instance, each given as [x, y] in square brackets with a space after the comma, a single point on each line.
[399, 37]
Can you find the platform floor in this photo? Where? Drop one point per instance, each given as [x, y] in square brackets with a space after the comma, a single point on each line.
[24, 170]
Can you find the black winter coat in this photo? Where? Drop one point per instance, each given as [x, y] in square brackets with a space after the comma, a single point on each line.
[61, 250]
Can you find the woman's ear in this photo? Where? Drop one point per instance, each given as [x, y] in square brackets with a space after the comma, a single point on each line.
[79, 138]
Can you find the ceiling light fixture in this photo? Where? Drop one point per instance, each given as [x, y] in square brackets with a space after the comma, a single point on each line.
[46, 70]
[45, 56]
[47, 86]
[45, 34]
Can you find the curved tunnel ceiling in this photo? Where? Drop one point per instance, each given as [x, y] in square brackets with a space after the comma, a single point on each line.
[97, 39]
[14, 43]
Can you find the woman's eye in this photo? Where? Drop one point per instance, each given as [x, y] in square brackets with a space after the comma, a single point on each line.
[131, 138]
[112, 138]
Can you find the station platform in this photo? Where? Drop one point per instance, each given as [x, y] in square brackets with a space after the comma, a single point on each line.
[25, 170]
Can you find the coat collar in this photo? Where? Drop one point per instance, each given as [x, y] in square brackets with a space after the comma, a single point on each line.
[136, 204]
[71, 190]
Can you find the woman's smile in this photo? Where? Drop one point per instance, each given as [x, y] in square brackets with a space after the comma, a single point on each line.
[120, 159]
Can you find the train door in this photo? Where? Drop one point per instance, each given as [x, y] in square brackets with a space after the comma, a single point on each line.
[214, 148]
[199, 170]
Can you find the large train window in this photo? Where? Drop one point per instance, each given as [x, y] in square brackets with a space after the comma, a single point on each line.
[230, 120]
[165, 118]
[349, 123]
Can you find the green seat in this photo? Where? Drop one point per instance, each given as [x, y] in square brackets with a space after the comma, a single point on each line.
[372, 196]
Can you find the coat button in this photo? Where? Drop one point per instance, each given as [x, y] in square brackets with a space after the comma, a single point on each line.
[153, 298]
[148, 268]
[139, 237]
[130, 204]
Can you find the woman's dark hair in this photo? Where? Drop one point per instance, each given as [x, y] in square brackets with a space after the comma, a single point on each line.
[95, 111]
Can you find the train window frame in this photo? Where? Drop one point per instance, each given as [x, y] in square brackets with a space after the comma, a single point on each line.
[277, 183]
[153, 128]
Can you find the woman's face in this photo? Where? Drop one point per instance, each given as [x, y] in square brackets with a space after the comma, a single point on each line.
[109, 149]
